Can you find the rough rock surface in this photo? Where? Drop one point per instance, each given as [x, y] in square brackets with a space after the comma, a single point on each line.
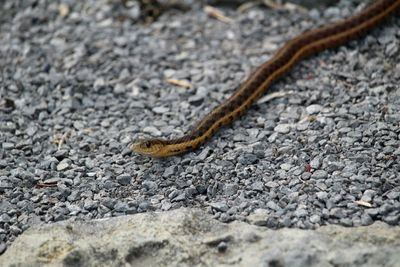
[187, 237]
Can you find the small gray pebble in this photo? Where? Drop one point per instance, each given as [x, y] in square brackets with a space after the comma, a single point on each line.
[15, 230]
[4, 218]
[313, 109]
[322, 196]
[247, 159]
[368, 195]
[222, 247]
[220, 206]
[144, 205]
[152, 131]
[63, 165]
[170, 171]
[90, 205]
[180, 197]
[315, 218]
[372, 212]
[300, 213]
[258, 186]
[337, 213]
[394, 195]
[366, 219]
[303, 126]
[160, 110]
[319, 174]
[272, 184]
[272, 205]
[121, 206]
[282, 128]
[285, 166]
[315, 163]
[346, 222]
[230, 189]
[201, 189]
[150, 185]
[8, 145]
[124, 179]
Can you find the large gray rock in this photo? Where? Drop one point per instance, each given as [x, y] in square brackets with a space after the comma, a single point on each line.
[188, 237]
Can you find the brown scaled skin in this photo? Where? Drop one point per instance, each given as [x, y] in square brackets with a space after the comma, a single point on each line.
[306, 44]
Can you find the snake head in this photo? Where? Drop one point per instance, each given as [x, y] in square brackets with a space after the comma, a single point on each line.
[150, 147]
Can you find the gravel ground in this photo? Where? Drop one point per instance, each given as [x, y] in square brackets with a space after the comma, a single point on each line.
[78, 86]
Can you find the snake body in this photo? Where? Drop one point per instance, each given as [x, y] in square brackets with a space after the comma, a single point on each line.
[306, 44]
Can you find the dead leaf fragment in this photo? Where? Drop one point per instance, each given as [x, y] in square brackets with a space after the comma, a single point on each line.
[88, 130]
[180, 83]
[363, 203]
[45, 184]
[218, 14]
[272, 4]
[286, 6]
[63, 10]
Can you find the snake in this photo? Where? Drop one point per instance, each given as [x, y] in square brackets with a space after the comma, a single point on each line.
[304, 45]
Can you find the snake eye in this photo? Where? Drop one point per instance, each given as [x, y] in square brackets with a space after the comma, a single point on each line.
[148, 144]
